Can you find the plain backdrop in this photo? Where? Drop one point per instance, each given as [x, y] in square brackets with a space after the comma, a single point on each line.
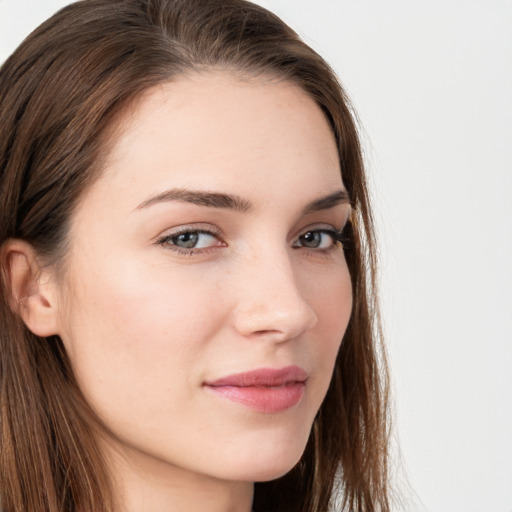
[431, 81]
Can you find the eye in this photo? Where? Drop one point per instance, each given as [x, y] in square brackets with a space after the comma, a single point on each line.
[189, 240]
[318, 239]
[193, 240]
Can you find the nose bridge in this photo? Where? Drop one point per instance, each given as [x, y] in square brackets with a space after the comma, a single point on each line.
[271, 298]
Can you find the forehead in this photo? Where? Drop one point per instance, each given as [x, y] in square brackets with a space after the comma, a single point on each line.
[217, 131]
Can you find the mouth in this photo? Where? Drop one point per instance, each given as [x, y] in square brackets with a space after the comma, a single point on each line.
[264, 390]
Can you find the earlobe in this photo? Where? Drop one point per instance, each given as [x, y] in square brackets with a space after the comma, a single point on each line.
[30, 287]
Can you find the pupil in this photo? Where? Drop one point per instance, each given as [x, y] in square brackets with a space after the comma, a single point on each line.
[311, 239]
[187, 240]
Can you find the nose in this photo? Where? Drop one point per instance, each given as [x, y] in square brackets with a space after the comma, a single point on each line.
[272, 304]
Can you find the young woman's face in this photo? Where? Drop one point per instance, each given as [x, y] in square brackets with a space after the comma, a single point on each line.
[205, 296]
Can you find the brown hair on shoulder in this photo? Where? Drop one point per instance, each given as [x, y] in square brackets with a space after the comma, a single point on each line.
[60, 93]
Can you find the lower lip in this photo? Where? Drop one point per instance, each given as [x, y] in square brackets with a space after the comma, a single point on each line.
[263, 399]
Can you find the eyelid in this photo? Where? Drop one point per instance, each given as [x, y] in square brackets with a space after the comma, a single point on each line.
[320, 226]
[334, 233]
[202, 227]
[209, 229]
[338, 235]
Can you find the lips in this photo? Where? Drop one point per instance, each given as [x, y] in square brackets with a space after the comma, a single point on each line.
[264, 390]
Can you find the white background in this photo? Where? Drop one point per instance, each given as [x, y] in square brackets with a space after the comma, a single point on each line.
[432, 83]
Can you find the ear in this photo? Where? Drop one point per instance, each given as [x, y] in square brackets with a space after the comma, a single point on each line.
[31, 287]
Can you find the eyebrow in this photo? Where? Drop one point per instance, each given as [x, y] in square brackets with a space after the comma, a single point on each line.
[210, 199]
[237, 203]
[330, 201]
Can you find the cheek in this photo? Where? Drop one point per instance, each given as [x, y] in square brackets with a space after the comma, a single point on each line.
[140, 304]
[330, 296]
[331, 299]
[335, 302]
[138, 330]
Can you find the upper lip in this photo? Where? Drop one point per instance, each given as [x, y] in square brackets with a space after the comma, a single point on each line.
[262, 377]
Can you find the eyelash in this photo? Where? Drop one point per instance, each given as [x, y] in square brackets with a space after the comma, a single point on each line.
[165, 240]
[338, 238]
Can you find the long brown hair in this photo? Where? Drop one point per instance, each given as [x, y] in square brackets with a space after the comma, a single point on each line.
[60, 92]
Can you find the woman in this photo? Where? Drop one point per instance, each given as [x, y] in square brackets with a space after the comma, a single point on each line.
[188, 296]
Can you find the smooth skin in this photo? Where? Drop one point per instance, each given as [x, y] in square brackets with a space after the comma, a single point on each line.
[159, 294]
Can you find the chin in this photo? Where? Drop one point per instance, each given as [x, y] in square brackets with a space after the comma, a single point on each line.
[268, 460]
